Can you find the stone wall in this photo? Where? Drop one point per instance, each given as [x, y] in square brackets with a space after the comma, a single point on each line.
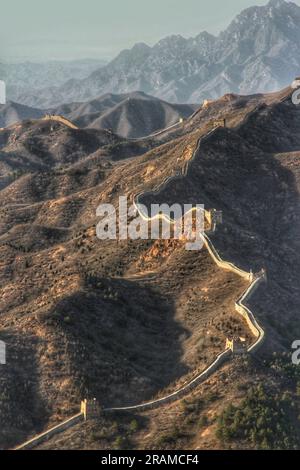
[240, 307]
[61, 119]
[226, 265]
[51, 432]
[186, 389]
[243, 310]
[157, 133]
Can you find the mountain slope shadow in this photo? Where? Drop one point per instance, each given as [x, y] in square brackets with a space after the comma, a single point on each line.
[115, 340]
[243, 172]
[23, 410]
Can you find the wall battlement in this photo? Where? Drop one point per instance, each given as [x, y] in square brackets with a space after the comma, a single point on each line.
[90, 409]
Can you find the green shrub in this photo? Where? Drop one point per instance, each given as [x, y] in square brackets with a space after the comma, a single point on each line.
[121, 443]
[261, 419]
[134, 426]
[203, 421]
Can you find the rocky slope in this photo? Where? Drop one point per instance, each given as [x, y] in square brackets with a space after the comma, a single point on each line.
[127, 321]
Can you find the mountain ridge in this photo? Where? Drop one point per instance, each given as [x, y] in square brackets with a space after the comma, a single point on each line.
[130, 115]
[258, 52]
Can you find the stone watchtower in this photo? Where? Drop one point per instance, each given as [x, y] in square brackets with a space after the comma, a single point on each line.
[90, 409]
[260, 274]
[236, 345]
[220, 123]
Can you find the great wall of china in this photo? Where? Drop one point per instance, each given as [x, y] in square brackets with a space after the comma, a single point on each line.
[157, 133]
[61, 119]
[240, 307]
[71, 125]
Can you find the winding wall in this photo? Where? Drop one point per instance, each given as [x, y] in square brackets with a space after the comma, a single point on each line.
[44, 436]
[240, 307]
[157, 133]
[68, 123]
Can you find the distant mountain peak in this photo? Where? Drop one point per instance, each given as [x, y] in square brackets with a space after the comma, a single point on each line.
[141, 46]
[258, 52]
[206, 36]
[171, 40]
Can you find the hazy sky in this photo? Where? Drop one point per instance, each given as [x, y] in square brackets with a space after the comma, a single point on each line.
[71, 29]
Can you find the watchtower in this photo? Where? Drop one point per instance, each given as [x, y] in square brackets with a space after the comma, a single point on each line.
[220, 123]
[206, 103]
[236, 345]
[90, 409]
[260, 274]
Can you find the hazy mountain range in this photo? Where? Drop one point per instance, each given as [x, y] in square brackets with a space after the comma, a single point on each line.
[258, 52]
[129, 115]
[22, 78]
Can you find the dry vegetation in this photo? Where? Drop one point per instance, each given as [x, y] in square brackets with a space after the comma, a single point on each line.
[128, 321]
